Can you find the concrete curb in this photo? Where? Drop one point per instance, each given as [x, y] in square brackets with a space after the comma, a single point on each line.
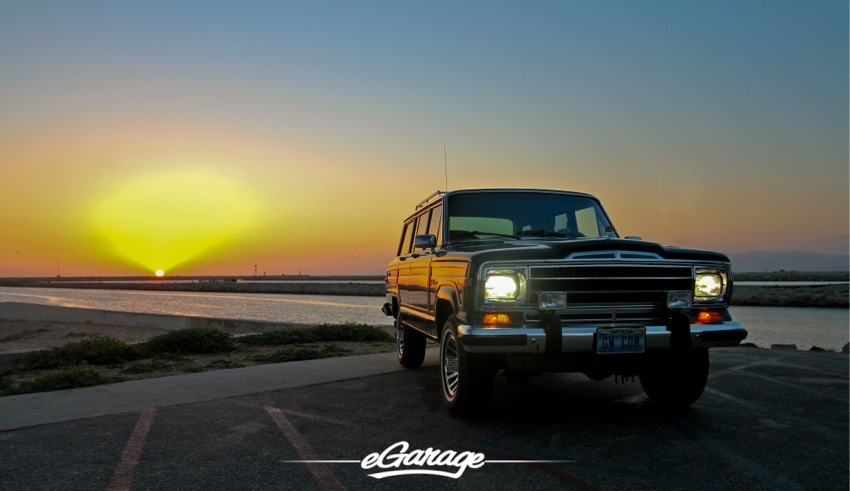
[27, 410]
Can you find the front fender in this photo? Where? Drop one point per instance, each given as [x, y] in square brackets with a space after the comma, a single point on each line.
[448, 302]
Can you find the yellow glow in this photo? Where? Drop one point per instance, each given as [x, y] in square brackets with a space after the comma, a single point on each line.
[504, 319]
[709, 317]
[708, 285]
[500, 287]
[163, 220]
[159, 273]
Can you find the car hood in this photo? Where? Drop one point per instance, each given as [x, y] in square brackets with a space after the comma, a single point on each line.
[584, 248]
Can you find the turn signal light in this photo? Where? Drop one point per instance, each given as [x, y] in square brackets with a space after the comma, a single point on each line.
[709, 317]
[497, 319]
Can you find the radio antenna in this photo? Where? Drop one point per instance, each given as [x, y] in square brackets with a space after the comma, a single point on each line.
[446, 166]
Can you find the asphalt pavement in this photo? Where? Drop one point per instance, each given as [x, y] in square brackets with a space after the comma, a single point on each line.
[769, 419]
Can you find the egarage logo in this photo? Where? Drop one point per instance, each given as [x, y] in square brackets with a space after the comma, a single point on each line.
[399, 460]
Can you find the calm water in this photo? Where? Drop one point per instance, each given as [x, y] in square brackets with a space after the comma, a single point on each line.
[311, 309]
[788, 283]
[805, 327]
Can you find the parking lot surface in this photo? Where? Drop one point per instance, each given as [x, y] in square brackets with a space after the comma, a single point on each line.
[769, 419]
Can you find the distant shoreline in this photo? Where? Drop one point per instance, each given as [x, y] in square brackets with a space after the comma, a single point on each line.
[827, 295]
[835, 296]
[794, 276]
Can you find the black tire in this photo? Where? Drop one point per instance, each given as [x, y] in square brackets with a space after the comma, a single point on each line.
[410, 345]
[466, 378]
[675, 378]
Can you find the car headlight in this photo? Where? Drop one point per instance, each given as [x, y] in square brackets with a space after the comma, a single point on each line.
[504, 286]
[709, 285]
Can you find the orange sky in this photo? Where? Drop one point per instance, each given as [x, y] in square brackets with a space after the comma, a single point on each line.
[201, 143]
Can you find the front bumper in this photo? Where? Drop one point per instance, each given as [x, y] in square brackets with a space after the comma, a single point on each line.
[583, 339]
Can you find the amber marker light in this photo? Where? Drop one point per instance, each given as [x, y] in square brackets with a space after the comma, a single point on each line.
[497, 319]
[709, 317]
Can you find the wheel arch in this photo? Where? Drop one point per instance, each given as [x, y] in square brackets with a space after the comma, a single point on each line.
[447, 304]
[395, 308]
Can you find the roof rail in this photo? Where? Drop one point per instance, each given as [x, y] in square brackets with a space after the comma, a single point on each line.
[427, 200]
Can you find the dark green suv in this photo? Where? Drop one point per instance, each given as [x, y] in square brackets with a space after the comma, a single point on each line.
[532, 281]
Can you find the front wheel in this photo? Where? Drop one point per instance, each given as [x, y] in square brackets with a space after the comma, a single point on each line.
[410, 345]
[466, 378]
[675, 378]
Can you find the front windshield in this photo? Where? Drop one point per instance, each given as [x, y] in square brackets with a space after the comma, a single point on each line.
[475, 216]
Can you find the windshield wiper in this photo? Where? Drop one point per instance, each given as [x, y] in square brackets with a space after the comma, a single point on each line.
[494, 234]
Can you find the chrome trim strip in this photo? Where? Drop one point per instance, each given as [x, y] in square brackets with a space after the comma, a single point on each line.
[615, 254]
[579, 340]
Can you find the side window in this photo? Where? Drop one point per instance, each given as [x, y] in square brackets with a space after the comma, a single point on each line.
[422, 224]
[435, 227]
[406, 239]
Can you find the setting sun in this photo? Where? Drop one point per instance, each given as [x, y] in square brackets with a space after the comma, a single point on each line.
[166, 219]
[159, 273]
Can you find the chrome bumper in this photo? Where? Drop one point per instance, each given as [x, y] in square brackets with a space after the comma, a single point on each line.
[583, 339]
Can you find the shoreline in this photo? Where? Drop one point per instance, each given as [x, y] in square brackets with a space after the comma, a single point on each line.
[828, 295]
[27, 327]
[833, 296]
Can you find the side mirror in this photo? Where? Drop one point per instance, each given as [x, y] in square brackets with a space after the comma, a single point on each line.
[425, 241]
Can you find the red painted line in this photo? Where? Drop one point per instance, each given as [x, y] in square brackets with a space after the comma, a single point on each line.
[321, 473]
[126, 471]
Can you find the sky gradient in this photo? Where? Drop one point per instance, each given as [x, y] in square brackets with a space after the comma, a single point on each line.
[209, 137]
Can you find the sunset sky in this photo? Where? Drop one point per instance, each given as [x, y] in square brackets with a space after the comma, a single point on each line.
[208, 137]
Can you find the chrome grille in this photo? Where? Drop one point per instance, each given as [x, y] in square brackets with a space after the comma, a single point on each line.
[616, 294]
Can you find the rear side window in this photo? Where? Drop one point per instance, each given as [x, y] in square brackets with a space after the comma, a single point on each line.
[406, 239]
[422, 224]
[436, 221]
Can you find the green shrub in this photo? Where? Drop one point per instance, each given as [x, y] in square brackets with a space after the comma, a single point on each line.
[170, 357]
[145, 367]
[69, 377]
[283, 336]
[351, 332]
[322, 332]
[95, 351]
[217, 364]
[197, 341]
[300, 353]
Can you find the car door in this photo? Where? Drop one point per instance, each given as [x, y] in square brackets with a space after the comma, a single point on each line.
[402, 265]
[419, 263]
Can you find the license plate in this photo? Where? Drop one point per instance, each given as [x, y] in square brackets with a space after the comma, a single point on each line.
[620, 340]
